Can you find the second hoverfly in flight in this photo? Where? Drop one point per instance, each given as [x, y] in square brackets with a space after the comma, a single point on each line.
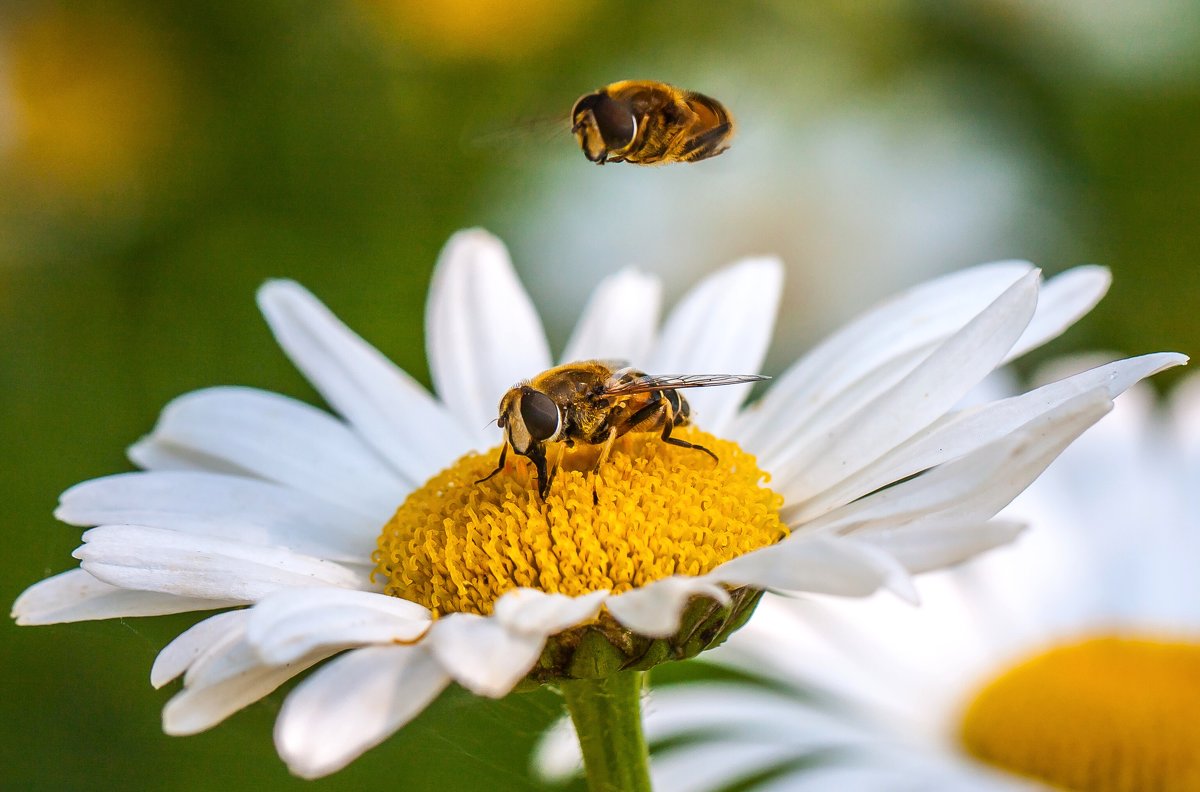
[594, 402]
[650, 123]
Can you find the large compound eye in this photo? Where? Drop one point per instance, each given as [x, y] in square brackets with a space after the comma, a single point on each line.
[616, 122]
[614, 119]
[540, 415]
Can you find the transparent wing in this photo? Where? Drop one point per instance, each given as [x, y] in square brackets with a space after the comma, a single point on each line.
[652, 382]
[530, 132]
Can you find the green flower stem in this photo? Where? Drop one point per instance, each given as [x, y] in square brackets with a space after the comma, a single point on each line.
[607, 713]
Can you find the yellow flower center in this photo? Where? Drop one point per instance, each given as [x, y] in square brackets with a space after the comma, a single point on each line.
[652, 510]
[1104, 715]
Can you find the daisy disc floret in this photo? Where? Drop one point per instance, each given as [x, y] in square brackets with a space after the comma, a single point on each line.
[363, 543]
[457, 544]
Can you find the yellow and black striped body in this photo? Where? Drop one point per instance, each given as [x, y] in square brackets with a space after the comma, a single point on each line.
[593, 402]
[646, 122]
[591, 415]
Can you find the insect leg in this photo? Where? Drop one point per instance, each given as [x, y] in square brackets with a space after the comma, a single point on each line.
[537, 455]
[669, 424]
[707, 144]
[558, 458]
[607, 449]
[651, 410]
[499, 465]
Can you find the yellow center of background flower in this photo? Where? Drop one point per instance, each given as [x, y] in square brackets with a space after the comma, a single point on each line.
[1104, 715]
[653, 510]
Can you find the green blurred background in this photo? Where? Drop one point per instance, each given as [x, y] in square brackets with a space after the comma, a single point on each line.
[159, 160]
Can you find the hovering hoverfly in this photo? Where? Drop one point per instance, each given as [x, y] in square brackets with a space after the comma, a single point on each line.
[594, 402]
[650, 123]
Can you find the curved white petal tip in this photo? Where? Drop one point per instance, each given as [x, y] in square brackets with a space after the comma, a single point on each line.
[533, 612]
[482, 654]
[556, 757]
[352, 704]
[656, 609]
[281, 288]
[482, 331]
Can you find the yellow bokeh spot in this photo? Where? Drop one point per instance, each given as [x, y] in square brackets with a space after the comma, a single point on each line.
[653, 510]
[1104, 715]
[499, 30]
[93, 97]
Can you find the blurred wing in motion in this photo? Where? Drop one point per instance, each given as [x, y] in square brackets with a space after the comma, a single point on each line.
[514, 134]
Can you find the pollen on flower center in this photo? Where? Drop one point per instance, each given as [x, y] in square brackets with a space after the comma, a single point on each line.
[1104, 714]
[651, 511]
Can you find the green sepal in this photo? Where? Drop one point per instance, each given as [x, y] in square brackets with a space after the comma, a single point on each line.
[605, 647]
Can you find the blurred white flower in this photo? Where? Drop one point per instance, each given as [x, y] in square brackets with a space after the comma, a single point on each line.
[1072, 656]
[899, 184]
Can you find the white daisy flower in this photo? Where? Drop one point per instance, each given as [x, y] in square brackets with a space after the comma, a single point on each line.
[369, 537]
[1069, 660]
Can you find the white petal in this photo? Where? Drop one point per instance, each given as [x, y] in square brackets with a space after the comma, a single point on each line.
[893, 337]
[620, 320]
[201, 707]
[975, 487]
[1062, 301]
[556, 757]
[177, 656]
[842, 444]
[737, 712]
[867, 773]
[699, 768]
[287, 625]
[77, 596]
[150, 455]
[151, 559]
[481, 330]
[534, 612]
[481, 654]
[735, 731]
[722, 326]
[1185, 413]
[231, 507]
[387, 408]
[227, 655]
[926, 548]
[725, 716]
[352, 704]
[819, 565]
[655, 609]
[282, 440]
[962, 432]
[811, 643]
